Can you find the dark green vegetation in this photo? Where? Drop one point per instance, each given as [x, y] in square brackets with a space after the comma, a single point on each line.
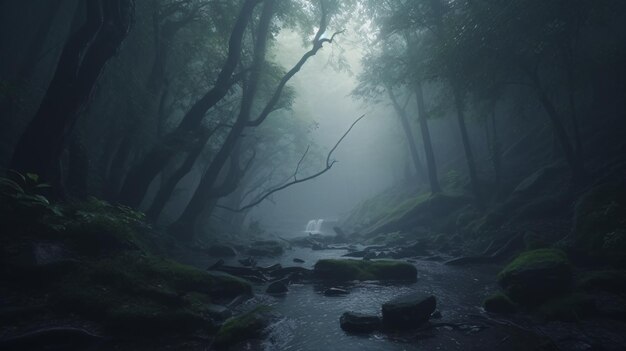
[103, 264]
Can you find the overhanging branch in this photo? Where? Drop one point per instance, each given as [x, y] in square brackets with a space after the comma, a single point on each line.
[329, 165]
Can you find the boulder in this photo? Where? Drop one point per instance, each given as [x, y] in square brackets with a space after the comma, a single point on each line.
[536, 276]
[346, 270]
[408, 311]
[335, 292]
[248, 326]
[278, 287]
[499, 303]
[221, 251]
[354, 322]
[298, 260]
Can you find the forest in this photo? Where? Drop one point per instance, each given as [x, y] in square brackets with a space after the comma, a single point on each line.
[313, 175]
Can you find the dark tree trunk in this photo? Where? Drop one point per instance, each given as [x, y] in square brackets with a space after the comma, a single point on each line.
[118, 166]
[167, 188]
[184, 227]
[496, 154]
[428, 146]
[408, 132]
[83, 58]
[573, 159]
[467, 146]
[142, 174]
[78, 168]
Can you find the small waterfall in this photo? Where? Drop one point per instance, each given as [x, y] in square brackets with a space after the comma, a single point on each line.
[314, 226]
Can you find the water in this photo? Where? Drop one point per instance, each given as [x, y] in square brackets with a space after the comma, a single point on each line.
[314, 226]
[312, 319]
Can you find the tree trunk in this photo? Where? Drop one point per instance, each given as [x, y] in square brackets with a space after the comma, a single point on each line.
[167, 188]
[184, 227]
[78, 168]
[408, 133]
[142, 174]
[574, 160]
[82, 59]
[467, 147]
[496, 154]
[428, 146]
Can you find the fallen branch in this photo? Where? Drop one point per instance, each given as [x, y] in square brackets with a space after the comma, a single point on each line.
[329, 165]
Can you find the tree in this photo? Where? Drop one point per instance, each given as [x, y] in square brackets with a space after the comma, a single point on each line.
[82, 60]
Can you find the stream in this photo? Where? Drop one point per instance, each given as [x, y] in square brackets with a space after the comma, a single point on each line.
[311, 319]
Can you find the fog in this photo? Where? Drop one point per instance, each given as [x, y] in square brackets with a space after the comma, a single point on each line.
[368, 160]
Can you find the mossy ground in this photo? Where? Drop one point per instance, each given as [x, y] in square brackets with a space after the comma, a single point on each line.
[345, 270]
[118, 277]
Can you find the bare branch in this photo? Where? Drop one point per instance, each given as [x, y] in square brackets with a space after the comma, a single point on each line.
[318, 42]
[329, 165]
[295, 174]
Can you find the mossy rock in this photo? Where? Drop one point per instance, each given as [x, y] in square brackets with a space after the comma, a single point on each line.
[346, 270]
[135, 287]
[499, 303]
[536, 276]
[570, 308]
[600, 223]
[247, 326]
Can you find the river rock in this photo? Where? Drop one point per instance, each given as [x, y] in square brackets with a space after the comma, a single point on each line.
[221, 251]
[278, 287]
[298, 260]
[346, 269]
[408, 311]
[354, 322]
[335, 292]
[536, 276]
[248, 262]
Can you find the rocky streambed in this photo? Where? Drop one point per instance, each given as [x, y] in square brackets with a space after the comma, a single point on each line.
[343, 312]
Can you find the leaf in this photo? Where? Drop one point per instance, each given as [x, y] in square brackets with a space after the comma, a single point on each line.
[33, 177]
[6, 183]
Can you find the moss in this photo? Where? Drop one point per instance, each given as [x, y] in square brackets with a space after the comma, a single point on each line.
[537, 275]
[612, 281]
[499, 303]
[572, 307]
[530, 259]
[143, 291]
[345, 269]
[249, 325]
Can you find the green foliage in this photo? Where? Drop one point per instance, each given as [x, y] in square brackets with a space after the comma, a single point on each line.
[136, 293]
